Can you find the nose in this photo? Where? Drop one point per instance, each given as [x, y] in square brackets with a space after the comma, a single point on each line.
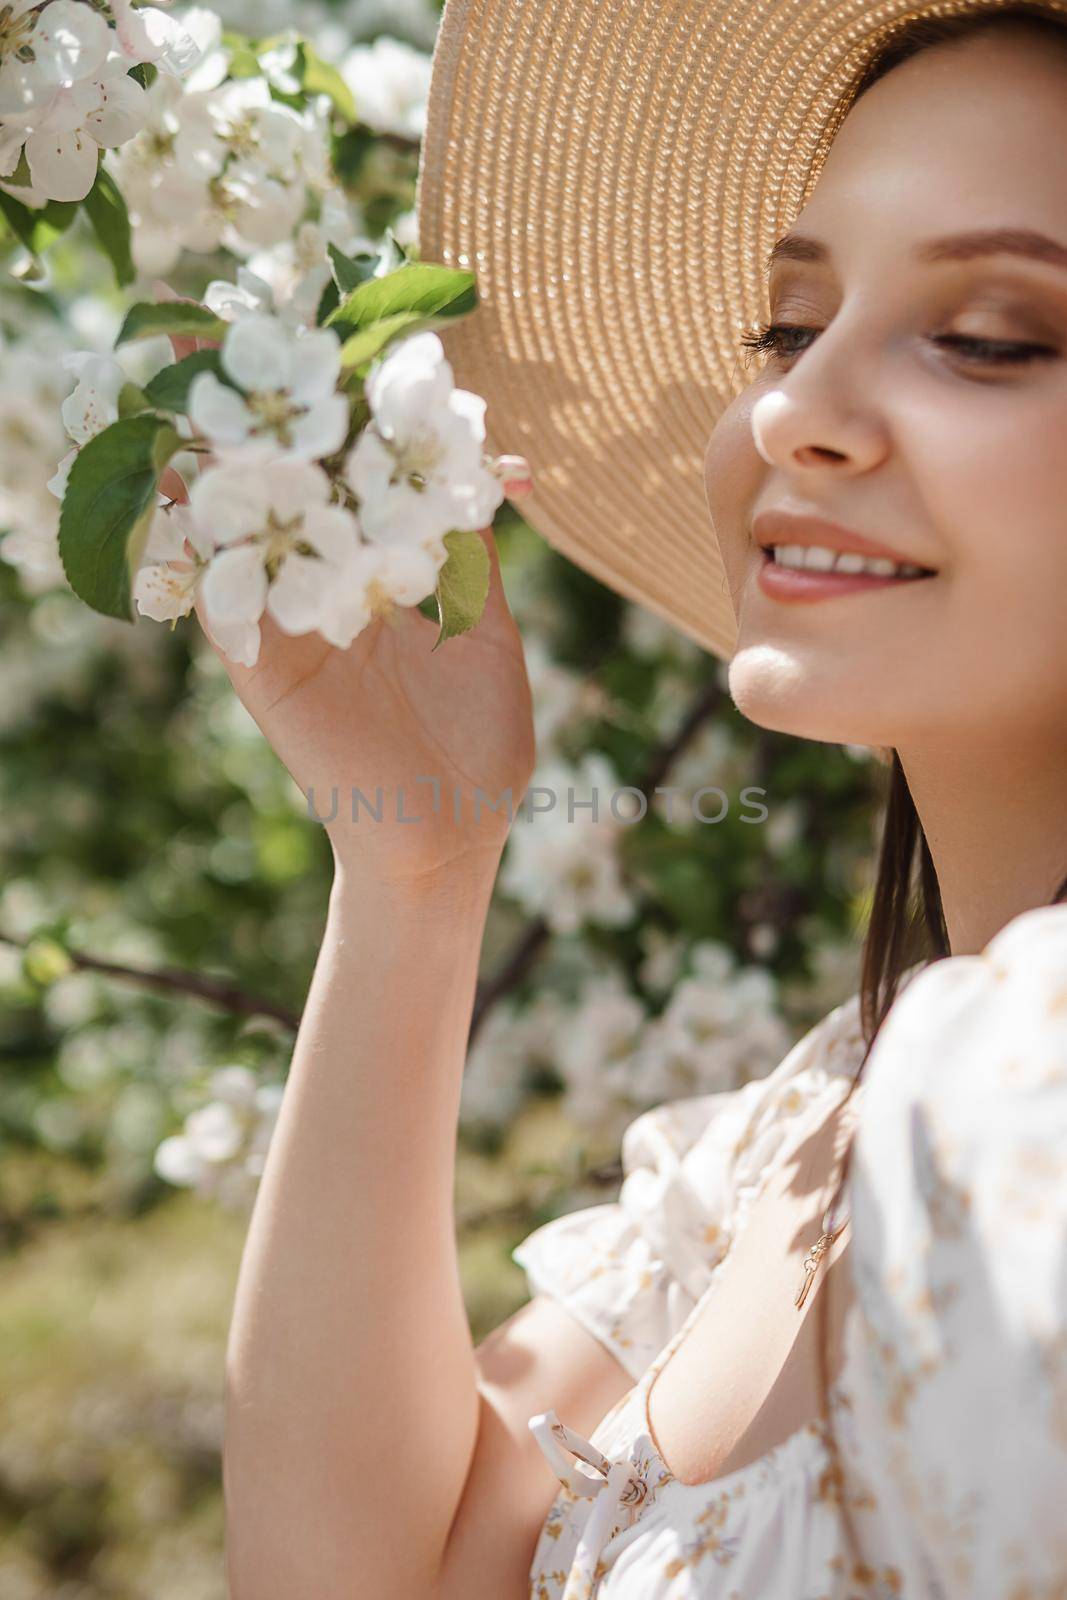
[811, 420]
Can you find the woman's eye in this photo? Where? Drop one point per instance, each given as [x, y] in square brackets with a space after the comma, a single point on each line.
[775, 338]
[992, 351]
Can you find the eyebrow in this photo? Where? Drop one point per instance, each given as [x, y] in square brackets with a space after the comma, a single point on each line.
[948, 247]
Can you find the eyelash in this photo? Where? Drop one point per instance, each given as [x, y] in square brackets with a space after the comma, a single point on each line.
[768, 338]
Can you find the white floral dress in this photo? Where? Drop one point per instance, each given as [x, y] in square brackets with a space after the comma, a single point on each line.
[941, 1468]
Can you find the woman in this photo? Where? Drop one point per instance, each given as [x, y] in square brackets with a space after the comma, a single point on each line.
[873, 1401]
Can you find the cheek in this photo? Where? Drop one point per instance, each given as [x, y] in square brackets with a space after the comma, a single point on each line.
[995, 486]
[992, 480]
[733, 471]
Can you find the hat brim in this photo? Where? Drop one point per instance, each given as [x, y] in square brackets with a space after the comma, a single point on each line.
[615, 173]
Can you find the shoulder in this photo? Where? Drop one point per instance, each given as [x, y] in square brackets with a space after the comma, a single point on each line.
[966, 1088]
[959, 1243]
[989, 1023]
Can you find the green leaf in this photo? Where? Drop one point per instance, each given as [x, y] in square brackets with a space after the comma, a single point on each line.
[421, 287]
[392, 253]
[145, 73]
[350, 271]
[148, 318]
[22, 176]
[106, 210]
[328, 299]
[319, 77]
[462, 583]
[169, 389]
[133, 400]
[108, 507]
[36, 229]
[362, 348]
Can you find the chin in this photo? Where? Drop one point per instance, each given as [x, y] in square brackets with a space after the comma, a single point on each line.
[776, 690]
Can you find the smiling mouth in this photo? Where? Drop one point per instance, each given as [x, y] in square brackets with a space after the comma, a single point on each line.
[824, 560]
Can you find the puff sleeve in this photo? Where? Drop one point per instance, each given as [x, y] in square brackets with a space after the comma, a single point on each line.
[632, 1269]
[959, 1236]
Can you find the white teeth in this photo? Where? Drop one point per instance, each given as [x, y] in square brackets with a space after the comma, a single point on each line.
[820, 558]
[849, 561]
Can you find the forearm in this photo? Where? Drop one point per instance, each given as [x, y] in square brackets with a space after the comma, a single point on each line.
[351, 1406]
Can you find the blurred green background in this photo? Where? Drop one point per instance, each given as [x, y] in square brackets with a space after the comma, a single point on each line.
[162, 895]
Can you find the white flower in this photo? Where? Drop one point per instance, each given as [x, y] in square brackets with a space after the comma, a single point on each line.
[165, 585]
[596, 1050]
[419, 468]
[290, 401]
[719, 1029]
[219, 165]
[390, 83]
[91, 406]
[282, 548]
[223, 1145]
[148, 34]
[232, 301]
[63, 148]
[374, 579]
[510, 1044]
[45, 49]
[282, 142]
[298, 268]
[213, 63]
[567, 868]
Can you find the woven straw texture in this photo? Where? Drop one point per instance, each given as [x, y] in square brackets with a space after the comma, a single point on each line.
[615, 173]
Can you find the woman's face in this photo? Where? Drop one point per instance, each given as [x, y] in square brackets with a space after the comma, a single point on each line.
[880, 417]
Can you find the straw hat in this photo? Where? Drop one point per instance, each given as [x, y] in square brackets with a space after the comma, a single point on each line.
[615, 172]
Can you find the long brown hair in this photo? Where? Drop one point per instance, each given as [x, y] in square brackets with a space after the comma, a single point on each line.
[907, 921]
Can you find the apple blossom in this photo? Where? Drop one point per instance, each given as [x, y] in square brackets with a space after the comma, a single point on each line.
[281, 547]
[419, 467]
[165, 586]
[92, 404]
[289, 402]
[390, 82]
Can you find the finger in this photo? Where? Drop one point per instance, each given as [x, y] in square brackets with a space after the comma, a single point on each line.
[182, 344]
[496, 598]
[172, 484]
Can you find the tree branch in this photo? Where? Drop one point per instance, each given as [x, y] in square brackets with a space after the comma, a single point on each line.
[525, 951]
[175, 980]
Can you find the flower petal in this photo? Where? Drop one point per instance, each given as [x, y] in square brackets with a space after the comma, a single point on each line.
[256, 353]
[218, 411]
[332, 531]
[314, 364]
[234, 585]
[298, 593]
[321, 430]
[63, 165]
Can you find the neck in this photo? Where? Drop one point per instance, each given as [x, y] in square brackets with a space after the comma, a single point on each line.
[996, 823]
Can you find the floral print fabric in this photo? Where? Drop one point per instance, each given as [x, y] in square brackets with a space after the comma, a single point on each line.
[941, 1468]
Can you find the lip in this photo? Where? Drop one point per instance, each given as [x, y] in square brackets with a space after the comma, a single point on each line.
[789, 527]
[806, 584]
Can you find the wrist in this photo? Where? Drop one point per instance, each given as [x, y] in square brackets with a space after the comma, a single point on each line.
[459, 887]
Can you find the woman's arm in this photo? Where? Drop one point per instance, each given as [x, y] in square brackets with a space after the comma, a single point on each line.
[351, 1402]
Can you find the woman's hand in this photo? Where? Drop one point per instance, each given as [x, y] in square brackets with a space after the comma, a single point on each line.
[430, 731]
[427, 730]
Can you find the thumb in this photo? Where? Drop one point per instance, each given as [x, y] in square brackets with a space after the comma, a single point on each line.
[496, 602]
[182, 344]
